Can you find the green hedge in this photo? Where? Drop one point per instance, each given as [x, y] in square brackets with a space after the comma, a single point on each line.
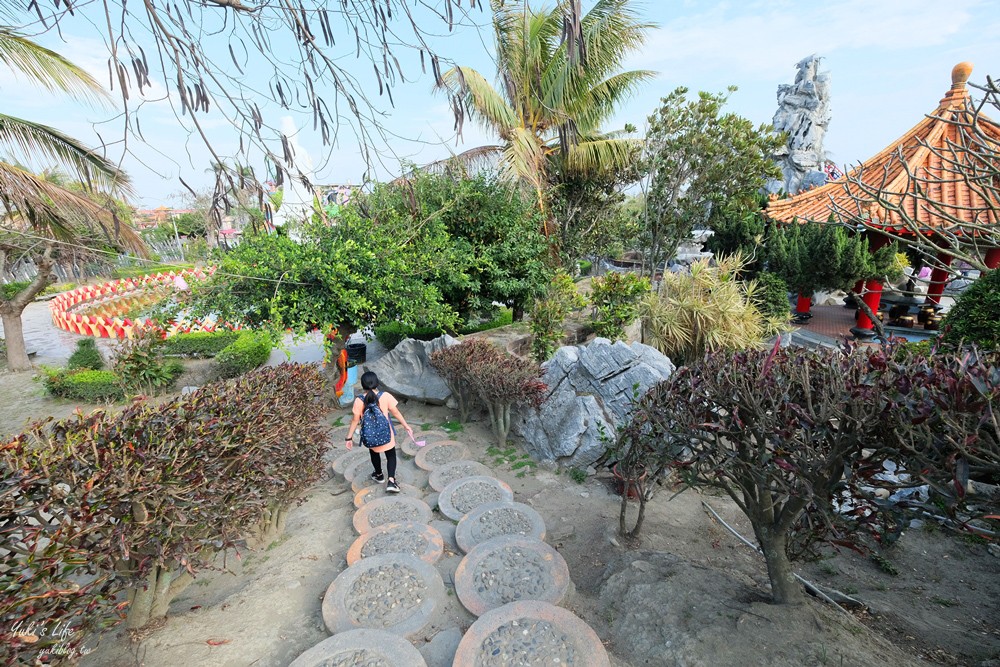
[200, 343]
[86, 356]
[83, 385]
[393, 333]
[250, 350]
[138, 271]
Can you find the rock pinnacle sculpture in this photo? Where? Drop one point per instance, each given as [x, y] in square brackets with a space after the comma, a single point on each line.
[804, 113]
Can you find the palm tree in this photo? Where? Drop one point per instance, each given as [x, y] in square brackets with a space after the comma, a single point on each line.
[38, 216]
[549, 105]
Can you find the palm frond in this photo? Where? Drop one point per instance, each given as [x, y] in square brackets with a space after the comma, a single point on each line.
[524, 158]
[37, 140]
[600, 102]
[590, 156]
[481, 98]
[48, 69]
[44, 209]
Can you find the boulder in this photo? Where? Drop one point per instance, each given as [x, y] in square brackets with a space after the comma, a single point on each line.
[590, 394]
[406, 372]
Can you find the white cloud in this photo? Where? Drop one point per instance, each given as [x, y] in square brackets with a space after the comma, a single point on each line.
[764, 39]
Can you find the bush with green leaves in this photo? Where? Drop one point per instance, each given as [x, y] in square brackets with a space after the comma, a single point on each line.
[140, 366]
[92, 386]
[138, 501]
[770, 296]
[975, 317]
[250, 350]
[616, 298]
[10, 290]
[549, 315]
[199, 343]
[393, 333]
[86, 356]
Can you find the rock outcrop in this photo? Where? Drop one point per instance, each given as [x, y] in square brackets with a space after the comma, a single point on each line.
[804, 113]
[406, 372]
[590, 394]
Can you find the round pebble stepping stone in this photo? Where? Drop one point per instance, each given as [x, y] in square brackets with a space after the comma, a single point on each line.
[429, 437]
[374, 492]
[351, 456]
[398, 593]
[444, 475]
[466, 494]
[508, 569]
[530, 633]
[405, 537]
[364, 478]
[496, 519]
[437, 455]
[391, 509]
[362, 647]
[361, 465]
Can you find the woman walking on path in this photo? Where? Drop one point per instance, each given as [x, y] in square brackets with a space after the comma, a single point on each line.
[370, 411]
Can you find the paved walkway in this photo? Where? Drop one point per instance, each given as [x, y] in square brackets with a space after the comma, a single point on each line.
[451, 571]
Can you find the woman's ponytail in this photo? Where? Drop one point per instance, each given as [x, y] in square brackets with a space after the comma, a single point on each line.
[369, 382]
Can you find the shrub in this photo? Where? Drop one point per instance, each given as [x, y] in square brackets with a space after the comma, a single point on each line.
[497, 378]
[140, 366]
[199, 343]
[549, 315]
[616, 299]
[757, 425]
[393, 333]
[10, 290]
[975, 317]
[148, 269]
[86, 356]
[770, 296]
[586, 267]
[146, 497]
[250, 350]
[93, 386]
[502, 319]
[57, 288]
[704, 310]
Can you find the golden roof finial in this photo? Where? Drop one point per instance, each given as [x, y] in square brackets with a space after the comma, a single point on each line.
[960, 74]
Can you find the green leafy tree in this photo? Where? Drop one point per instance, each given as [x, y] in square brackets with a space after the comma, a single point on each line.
[975, 317]
[37, 214]
[740, 231]
[547, 104]
[615, 298]
[550, 313]
[699, 159]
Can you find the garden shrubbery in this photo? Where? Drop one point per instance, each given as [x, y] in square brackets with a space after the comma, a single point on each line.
[199, 343]
[140, 366]
[139, 501]
[549, 315]
[86, 356]
[393, 333]
[250, 350]
[615, 298]
[975, 317]
[498, 379]
[92, 386]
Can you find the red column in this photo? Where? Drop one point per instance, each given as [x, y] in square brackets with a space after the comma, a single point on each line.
[939, 278]
[872, 297]
[992, 258]
[803, 304]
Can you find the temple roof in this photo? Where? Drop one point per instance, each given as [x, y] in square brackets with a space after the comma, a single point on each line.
[959, 186]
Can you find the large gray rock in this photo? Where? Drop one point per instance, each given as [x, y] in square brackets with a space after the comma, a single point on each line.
[406, 372]
[590, 393]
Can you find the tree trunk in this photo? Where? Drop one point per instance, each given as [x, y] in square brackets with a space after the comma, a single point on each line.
[17, 353]
[784, 588]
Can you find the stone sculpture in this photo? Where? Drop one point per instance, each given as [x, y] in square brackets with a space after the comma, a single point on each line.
[804, 114]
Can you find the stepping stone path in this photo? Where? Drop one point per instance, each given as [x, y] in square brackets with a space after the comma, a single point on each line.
[435, 456]
[448, 473]
[496, 519]
[464, 495]
[509, 569]
[393, 590]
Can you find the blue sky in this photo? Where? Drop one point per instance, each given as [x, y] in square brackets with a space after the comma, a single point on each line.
[889, 60]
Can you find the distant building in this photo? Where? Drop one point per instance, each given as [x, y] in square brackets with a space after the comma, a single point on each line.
[154, 217]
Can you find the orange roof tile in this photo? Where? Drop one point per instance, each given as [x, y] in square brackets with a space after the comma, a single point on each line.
[930, 159]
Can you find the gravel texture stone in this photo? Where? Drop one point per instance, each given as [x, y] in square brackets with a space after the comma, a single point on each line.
[395, 592]
[445, 474]
[361, 648]
[508, 569]
[391, 509]
[495, 519]
[374, 492]
[531, 633]
[463, 495]
[349, 458]
[416, 539]
[435, 456]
